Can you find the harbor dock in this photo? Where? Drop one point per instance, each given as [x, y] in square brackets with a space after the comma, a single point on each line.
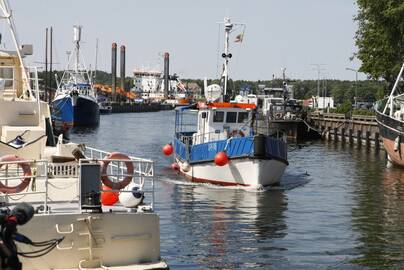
[359, 129]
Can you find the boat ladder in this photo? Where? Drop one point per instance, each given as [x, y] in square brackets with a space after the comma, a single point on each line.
[95, 240]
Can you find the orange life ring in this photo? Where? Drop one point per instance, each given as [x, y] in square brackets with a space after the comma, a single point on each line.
[237, 133]
[25, 168]
[129, 167]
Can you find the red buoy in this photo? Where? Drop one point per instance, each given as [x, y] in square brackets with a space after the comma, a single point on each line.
[109, 198]
[221, 159]
[168, 149]
[175, 166]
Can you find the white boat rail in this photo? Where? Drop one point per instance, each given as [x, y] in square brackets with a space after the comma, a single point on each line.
[46, 187]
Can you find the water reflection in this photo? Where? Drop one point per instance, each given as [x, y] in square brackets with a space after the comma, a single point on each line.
[218, 225]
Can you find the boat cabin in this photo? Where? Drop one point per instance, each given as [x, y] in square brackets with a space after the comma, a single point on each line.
[218, 121]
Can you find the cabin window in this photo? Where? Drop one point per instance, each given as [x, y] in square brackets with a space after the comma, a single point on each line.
[231, 117]
[6, 77]
[242, 117]
[218, 116]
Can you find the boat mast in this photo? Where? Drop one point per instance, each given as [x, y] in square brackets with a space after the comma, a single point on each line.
[77, 39]
[228, 26]
[391, 97]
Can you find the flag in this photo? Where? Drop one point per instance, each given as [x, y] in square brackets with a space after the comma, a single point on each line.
[239, 38]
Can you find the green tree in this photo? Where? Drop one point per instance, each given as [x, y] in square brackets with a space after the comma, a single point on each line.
[380, 38]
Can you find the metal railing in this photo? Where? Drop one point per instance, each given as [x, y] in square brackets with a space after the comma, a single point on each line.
[46, 176]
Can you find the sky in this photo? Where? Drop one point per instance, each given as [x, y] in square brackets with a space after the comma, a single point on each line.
[291, 34]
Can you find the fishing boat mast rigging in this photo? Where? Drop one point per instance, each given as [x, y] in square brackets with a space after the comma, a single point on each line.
[226, 55]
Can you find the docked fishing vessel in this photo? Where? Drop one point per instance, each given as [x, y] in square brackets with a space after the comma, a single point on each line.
[219, 143]
[95, 206]
[75, 102]
[390, 118]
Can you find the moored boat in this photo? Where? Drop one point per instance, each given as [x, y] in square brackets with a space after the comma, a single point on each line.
[390, 119]
[220, 144]
[75, 102]
[95, 206]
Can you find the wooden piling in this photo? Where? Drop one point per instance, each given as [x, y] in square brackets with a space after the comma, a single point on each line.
[336, 134]
[359, 137]
[350, 135]
[367, 138]
[343, 134]
[377, 142]
[329, 133]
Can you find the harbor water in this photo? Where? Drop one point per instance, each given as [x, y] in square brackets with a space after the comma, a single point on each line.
[338, 207]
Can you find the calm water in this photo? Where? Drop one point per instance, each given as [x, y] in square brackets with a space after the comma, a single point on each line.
[338, 207]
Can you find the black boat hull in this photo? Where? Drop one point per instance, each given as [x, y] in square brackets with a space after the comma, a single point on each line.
[392, 132]
[86, 112]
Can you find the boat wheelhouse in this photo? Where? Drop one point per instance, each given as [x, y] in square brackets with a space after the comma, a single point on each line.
[390, 119]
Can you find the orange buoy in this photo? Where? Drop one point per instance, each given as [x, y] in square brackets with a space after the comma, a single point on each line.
[168, 149]
[175, 166]
[221, 159]
[109, 198]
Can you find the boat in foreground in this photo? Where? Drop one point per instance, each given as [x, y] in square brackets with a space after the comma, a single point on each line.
[390, 119]
[220, 144]
[98, 205]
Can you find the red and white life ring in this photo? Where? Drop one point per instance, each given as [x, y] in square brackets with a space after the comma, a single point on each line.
[129, 167]
[236, 133]
[27, 173]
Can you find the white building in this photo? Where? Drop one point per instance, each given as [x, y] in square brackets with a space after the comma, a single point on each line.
[148, 82]
[322, 102]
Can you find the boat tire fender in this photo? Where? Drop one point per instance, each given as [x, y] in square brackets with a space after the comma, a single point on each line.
[129, 167]
[259, 146]
[26, 170]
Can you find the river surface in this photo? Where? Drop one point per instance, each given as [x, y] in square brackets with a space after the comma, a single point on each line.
[338, 207]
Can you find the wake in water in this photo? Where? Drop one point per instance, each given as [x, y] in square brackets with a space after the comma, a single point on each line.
[288, 182]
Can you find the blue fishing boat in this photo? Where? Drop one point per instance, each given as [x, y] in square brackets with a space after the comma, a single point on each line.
[75, 102]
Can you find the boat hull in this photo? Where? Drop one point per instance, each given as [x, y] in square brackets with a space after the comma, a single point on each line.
[85, 112]
[246, 171]
[392, 132]
[113, 240]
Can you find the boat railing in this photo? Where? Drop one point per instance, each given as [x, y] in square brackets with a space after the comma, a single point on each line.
[49, 183]
[143, 174]
[197, 138]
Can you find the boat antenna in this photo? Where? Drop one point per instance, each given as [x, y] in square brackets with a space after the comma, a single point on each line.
[96, 60]
[228, 27]
[6, 14]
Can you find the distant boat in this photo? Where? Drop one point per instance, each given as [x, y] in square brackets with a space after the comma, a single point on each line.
[75, 102]
[105, 109]
[390, 118]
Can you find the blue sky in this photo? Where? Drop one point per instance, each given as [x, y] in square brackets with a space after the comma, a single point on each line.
[288, 33]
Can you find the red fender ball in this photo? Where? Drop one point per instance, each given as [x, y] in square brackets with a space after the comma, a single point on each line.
[168, 149]
[175, 166]
[221, 159]
[109, 198]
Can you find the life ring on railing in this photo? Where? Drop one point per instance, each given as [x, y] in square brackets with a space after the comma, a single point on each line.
[129, 168]
[236, 133]
[27, 173]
